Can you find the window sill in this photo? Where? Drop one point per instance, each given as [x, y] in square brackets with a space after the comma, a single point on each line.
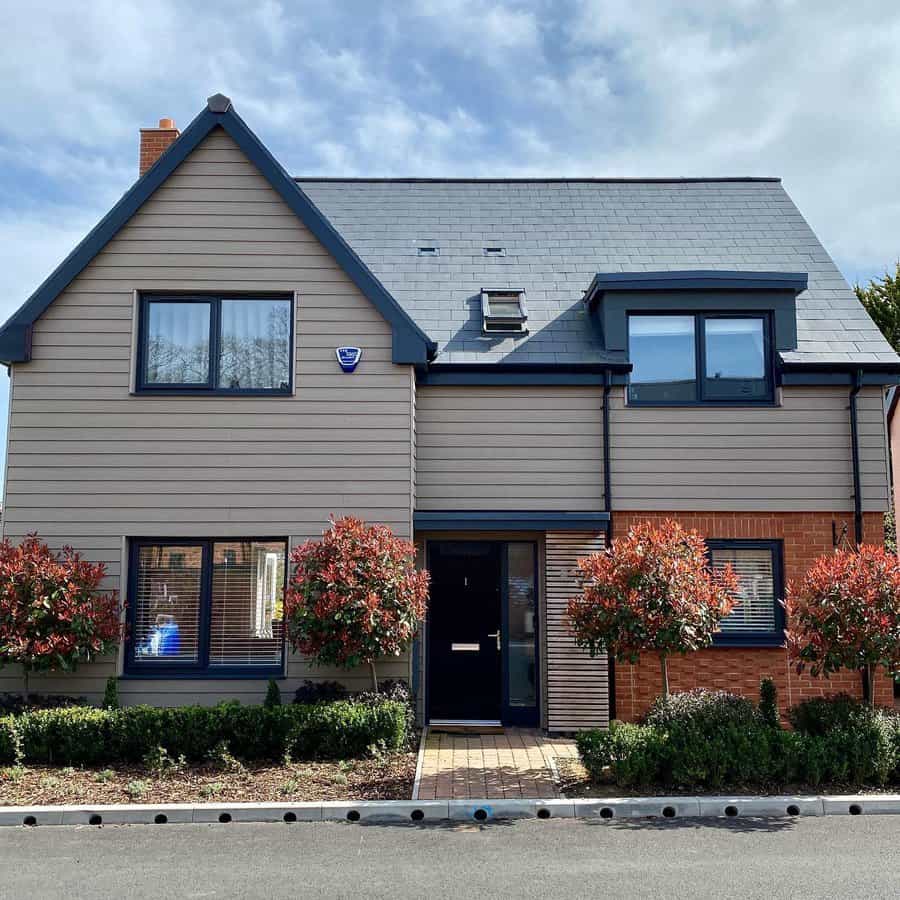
[207, 675]
[768, 403]
[770, 641]
[191, 392]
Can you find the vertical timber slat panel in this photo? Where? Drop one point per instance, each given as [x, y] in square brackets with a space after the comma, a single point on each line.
[577, 684]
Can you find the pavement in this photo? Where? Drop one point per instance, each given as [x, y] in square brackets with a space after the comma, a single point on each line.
[519, 764]
[833, 857]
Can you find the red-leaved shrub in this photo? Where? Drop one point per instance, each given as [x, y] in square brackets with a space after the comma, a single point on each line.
[652, 590]
[846, 614]
[53, 614]
[354, 596]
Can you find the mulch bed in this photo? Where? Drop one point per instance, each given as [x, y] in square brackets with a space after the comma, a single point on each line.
[387, 778]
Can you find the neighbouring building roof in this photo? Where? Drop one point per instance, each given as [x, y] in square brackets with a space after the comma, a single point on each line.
[555, 235]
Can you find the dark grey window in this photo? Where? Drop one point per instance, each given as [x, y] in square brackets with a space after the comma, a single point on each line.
[699, 358]
[220, 344]
[209, 607]
[663, 354]
[758, 617]
[735, 358]
[177, 349]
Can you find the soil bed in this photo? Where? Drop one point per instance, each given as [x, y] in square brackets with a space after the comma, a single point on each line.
[387, 778]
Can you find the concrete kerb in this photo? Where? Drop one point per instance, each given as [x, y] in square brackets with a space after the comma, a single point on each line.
[432, 811]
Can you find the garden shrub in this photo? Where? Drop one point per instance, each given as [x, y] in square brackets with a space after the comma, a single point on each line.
[87, 736]
[704, 710]
[111, 694]
[768, 703]
[319, 692]
[631, 755]
[273, 694]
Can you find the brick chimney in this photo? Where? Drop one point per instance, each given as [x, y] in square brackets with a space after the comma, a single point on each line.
[155, 141]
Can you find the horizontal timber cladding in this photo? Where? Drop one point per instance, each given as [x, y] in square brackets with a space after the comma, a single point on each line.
[90, 463]
[577, 684]
[509, 448]
[792, 457]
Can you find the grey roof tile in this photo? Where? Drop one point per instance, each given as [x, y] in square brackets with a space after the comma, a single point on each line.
[558, 234]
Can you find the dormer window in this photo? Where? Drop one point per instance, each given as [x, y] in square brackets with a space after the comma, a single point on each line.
[503, 312]
[699, 358]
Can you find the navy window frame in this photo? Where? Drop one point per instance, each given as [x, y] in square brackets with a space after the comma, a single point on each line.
[134, 668]
[700, 358]
[774, 638]
[214, 300]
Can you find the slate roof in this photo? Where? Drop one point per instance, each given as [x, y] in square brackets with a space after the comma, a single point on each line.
[557, 234]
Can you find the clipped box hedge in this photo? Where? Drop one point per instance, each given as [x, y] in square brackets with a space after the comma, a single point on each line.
[704, 740]
[88, 736]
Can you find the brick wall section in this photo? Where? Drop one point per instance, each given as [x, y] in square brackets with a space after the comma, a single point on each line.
[154, 142]
[806, 536]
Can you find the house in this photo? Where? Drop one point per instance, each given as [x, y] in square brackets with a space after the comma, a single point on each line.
[510, 371]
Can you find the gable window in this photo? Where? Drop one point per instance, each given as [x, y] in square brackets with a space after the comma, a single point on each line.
[216, 344]
[759, 617]
[207, 607]
[699, 358]
[503, 311]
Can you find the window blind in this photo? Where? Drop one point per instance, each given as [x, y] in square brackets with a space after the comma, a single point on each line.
[754, 568]
[246, 627]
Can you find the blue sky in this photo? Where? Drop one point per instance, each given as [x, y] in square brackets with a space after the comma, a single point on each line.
[806, 90]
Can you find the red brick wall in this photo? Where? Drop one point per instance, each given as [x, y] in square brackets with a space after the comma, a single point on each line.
[806, 536]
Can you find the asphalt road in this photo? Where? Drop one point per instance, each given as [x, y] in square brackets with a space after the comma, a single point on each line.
[829, 857]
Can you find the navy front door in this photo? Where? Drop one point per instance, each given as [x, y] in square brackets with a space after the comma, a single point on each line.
[464, 652]
[482, 660]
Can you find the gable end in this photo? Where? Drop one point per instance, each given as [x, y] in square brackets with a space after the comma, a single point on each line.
[410, 345]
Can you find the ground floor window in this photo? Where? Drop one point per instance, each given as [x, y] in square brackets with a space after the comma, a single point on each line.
[206, 607]
[759, 618]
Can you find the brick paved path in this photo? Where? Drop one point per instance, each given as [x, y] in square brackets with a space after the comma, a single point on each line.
[518, 764]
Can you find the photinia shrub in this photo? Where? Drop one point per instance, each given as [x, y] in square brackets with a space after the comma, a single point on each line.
[652, 590]
[846, 614]
[354, 596]
[53, 614]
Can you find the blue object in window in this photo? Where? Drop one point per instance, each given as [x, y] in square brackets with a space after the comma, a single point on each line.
[166, 639]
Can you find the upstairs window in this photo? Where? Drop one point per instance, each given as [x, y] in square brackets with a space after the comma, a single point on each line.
[503, 312]
[216, 344]
[702, 358]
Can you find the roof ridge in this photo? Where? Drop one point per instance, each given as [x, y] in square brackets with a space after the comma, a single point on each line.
[586, 180]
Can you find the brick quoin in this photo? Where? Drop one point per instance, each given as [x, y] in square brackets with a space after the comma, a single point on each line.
[806, 536]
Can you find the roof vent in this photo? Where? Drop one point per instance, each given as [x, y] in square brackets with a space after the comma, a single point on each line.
[494, 251]
[503, 312]
[429, 251]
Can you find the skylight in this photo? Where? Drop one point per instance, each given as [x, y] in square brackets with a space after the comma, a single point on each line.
[503, 311]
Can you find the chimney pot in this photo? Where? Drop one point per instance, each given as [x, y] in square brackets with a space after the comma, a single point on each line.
[155, 142]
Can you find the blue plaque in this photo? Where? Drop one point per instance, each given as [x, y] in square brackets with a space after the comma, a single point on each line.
[348, 357]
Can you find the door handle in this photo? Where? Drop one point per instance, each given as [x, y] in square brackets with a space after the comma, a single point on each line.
[496, 634]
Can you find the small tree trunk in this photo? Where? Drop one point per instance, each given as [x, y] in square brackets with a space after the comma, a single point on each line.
[374, 677]
[664, 669]
[25, 679]
[870, 678]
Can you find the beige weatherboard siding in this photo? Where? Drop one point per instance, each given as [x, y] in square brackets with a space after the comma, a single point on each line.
[509, 448]
[795, 457]
[90, 463]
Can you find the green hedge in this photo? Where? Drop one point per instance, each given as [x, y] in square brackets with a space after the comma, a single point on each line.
[709, 741]
[87, 736]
